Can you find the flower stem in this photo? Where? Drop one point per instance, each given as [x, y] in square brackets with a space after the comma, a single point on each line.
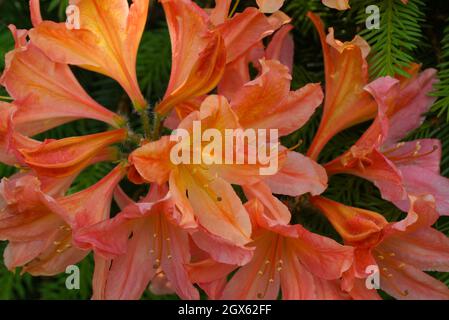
[157, 121]
[145, 119]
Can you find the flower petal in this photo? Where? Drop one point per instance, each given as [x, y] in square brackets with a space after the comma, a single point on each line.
[94, 46]
[298, 175]
[59, 158]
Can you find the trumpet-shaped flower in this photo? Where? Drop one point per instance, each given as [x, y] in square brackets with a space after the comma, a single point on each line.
[59, 158]
[106, 42]
[46, 93]
[141, 244]
[346, 74]
[38, 219]
[400, 250]
[398, 168]
[289, 257]
[206, 47]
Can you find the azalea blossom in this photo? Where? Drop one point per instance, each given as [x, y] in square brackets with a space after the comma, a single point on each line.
[158, 246]
[211, 182]
[207, 47]
[346, 74]
[398, 168]
[39, 220]
[401, 250]
[94, 46]
[288, 257]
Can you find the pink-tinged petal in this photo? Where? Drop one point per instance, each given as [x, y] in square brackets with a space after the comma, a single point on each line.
[423, 153]
[107, 238]
[35, 10]
[361, 292]
[221, 250]
[273, 208]
[426, 249]
[92, 205]
[237, 73]
[177, 256]
[60, 158]
[420, 181]
[10, 140]
[297, 176]
[267, 102]
[337, 4]
[409, 283]
[208, 270]
[296, 281]
[152, 160]
[346, 103]
[198, 55]
[373, 166]
[279, 19]
[214, 290]
[55, 262]
[421, 213]
[131, 273]
[411, 104]
[100, 277]
[94, 46]
[270, 6]
[220, 13]
[322, 256]
[216, 205]
[281, 47]
[329, 290]
[143, 241]
[280, 108]
[46, 93]
[257, 279]
[243, 31]
[17, 254]
[28, 213]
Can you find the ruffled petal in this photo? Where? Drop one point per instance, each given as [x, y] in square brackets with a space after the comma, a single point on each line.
[59, 158]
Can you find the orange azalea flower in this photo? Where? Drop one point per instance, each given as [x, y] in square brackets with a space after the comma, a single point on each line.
[196, 187]
[268, 103]
[46, 93]
[59, 158]
[10, 139]
[288, 257]
[38, 220]
[198, 54]
[107, 41]
[158, 246]
[398, 168]
[346, 71]
[400, 249]
[205, 47]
